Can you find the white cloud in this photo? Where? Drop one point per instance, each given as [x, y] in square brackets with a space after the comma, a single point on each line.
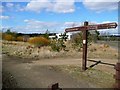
[101, 0]
[37, 6]
[9, 5]
[26, 20]
[18, 7]
[36, 26]
[57, 6]
[14, 7]
[40, 23]
[109, 21]
[4, 17]
[63, 6]
[72, 24]
[101, 5]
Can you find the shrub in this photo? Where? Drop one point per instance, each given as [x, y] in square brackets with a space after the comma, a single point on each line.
[55, 46]
[39, 41]
[77, 40]
[20, 38]
[8, 37]
[58, 45]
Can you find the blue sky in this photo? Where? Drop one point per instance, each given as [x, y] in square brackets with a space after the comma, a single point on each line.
[37, 17]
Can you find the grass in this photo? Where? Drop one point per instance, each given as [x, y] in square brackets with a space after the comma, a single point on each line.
[97, 78]
[26, 50]
[114, 44]
[102, 51]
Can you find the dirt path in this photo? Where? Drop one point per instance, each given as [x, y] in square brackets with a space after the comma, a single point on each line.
[40, 74]
[30, 75]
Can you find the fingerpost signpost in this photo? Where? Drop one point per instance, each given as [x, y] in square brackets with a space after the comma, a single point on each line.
[85, 29]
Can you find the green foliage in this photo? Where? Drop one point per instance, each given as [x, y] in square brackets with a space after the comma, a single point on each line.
[109, 38]
[46, 35]
[89, 38]
[63, 36]
[14, 34]
[77, 40]
[59, 44]
[95, 36]
[55, 45]
[8, 31]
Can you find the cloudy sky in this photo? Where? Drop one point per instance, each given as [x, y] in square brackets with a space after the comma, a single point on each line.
[36, 16]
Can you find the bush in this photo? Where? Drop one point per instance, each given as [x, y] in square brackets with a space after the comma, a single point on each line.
[39, 41]
[8, 37]
[55, 46]
[77, 40]
[20, 38]
[58, 45]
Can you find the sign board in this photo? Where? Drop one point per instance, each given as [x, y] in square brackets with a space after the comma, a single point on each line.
[75, 29]
[84, 29]
[93, 27]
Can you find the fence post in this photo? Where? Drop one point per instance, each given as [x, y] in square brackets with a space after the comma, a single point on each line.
[54, 87]
[117, 76]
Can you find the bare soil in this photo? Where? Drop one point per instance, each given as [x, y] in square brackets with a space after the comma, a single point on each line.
[30, 73]
[35, 75]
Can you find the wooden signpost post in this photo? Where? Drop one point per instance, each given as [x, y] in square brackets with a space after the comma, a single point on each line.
[85, 29]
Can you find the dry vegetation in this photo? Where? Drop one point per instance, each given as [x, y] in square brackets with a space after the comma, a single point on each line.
[98, 78]
[26, 50]
[101, 75]
[39, 41]
[102, 51]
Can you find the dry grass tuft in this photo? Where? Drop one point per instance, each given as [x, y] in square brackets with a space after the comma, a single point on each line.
[103, 51]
